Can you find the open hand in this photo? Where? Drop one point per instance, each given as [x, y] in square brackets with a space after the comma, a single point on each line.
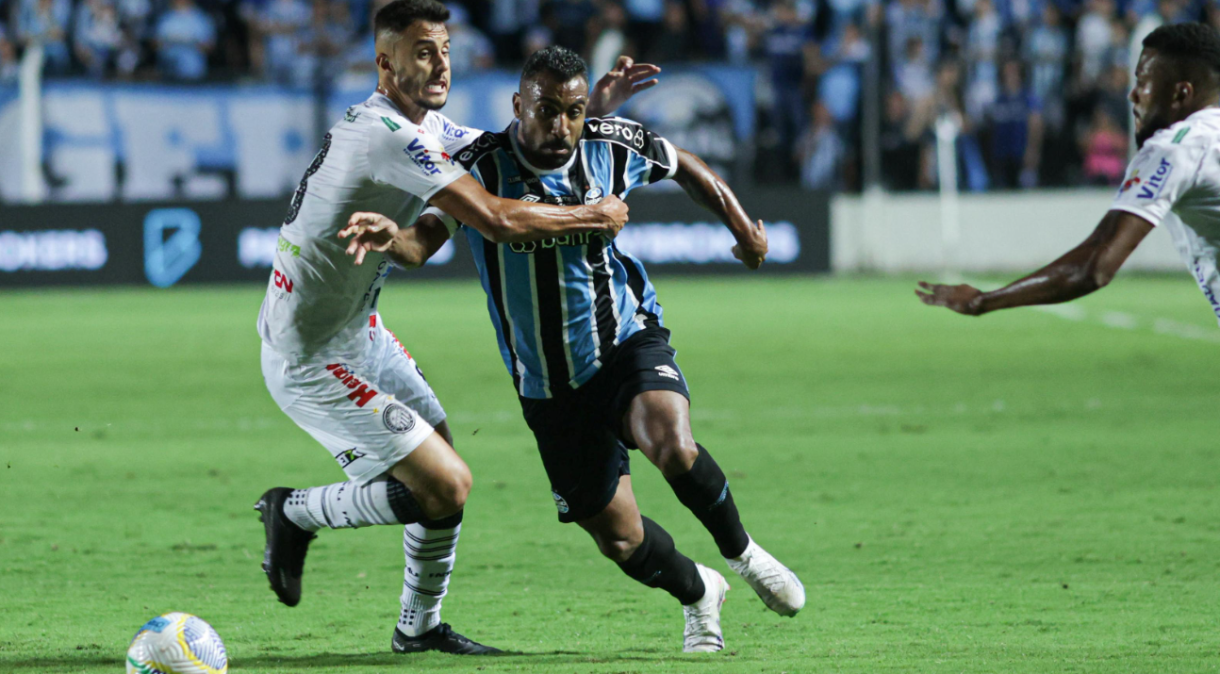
[964, 299]
[753, 252]
[369, 232]
[617, 86]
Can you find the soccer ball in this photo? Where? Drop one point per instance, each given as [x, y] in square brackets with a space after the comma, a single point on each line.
[177, 643]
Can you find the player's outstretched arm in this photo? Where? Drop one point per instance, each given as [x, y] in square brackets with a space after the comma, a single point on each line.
[1082, 270]
[408, 247]
[511, 221]
[708, 190]
[627, 79]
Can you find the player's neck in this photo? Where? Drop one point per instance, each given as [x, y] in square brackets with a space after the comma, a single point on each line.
[405, 105]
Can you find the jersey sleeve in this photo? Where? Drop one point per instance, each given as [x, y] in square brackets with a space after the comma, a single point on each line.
[1158, 176]
[645, 157]
[450, 224]
[409, 158]
[453, 136]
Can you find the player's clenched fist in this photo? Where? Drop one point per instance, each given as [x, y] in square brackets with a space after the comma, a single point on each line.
[369, 232]
[615, 210]
[753, 251]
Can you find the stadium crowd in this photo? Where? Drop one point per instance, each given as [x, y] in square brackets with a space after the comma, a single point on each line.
[1037, 87]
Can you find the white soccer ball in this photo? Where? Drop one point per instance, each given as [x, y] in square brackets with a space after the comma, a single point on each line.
[177, 643]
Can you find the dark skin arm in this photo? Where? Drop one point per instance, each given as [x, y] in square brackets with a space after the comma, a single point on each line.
[1082, 270]
[709, 191]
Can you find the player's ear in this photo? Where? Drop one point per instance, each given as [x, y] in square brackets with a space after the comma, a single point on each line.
[1183, 91]
[383, 62]
[517, 105]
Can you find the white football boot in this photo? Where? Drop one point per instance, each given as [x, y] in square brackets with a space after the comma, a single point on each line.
[775, 583]
[702, 634]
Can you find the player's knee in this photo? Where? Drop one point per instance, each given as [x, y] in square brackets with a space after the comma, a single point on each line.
[447, 496]
[619, 547]
[676, 454]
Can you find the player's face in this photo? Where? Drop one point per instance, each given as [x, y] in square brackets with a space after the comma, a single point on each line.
[1152, 97]
[417, 64]
[552, 117]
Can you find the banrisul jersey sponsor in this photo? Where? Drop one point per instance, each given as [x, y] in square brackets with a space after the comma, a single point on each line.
[318, 301]
[1174, 182]
[560, 305]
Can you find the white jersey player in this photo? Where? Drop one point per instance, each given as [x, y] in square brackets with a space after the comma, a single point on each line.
[331, 364]
[1173, 182]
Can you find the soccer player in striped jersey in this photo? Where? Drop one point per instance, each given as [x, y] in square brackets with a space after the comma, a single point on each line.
[581, 333]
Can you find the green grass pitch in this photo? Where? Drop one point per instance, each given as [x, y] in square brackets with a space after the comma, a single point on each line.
[1015, 493]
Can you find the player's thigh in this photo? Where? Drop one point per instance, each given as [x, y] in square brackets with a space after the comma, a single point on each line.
[398, 374]
[618, 529]
[583, 457]
[366, 430]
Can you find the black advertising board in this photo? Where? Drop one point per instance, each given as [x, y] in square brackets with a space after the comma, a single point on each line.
[165, 244]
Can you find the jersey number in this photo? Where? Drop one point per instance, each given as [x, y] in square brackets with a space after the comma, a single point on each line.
[297, 197]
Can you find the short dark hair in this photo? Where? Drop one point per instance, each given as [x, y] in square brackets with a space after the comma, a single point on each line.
[561, 62]
[400, 14]
[1188, 43]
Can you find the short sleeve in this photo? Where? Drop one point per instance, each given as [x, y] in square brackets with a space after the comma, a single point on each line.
[644, 158]
[1158, 177]
[452, 135]
[450, 224]
[408, 157]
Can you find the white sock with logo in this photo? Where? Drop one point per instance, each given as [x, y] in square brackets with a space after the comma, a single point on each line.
[430, 556]
[344, 505]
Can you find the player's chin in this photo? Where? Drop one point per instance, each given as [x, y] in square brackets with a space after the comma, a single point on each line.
[432, 100]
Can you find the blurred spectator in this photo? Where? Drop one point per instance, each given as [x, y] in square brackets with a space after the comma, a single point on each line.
[913, 74]
[97, 36]
[281, 25]
[913, 19]
[506, 23]
[839, 84]
[45, 22]
[1094, 38]
[674, 42]
[644, 19]
[900, 152]
[786, 45]
[184, 37]
[1016, 131]
[469, 49]
[571, 22]
[982, 49]
[611, 40]
[8, 60]
[1104, 150]
[820, 151]
[1046, 52]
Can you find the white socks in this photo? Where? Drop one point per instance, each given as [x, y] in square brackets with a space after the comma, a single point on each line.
[430, 556]
[343, 505]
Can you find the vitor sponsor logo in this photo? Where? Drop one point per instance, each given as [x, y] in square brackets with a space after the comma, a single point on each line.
[1156, 182]
[702, 243]
[419, 154]
[52, 250]
[361, 393]
[171, 244]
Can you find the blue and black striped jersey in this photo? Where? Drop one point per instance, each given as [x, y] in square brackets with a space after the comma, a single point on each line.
[560, 305]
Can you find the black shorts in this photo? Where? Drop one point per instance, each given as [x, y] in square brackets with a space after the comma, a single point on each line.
[579, 431]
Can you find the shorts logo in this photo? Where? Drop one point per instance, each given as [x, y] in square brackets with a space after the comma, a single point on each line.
[667, 371]
[398, 418]
[560, 504]
[347, 457]
[361, 394]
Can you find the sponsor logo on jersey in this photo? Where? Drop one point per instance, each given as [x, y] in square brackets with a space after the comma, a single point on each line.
[634, 136]
[282, 281]
[420, 155]
[351, 115]
[391, 124]
[361, 394]
[1130, 182]
[452, 130]
[284, 246]
[560, 503]
[667, 371]
[1181, 134]
[397, 418]
[1152, 187]
[347, 457]
[528, 247]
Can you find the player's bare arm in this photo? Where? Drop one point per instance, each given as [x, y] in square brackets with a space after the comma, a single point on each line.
[711, 192]
[1082, 270]
[625, 80]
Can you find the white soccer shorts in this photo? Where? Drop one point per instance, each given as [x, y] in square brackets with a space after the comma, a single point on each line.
[370, 414]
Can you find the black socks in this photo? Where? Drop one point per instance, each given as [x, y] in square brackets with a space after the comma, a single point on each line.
[657, 563]
[705, 490]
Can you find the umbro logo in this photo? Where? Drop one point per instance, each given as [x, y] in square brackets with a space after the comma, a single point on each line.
[667, 371]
